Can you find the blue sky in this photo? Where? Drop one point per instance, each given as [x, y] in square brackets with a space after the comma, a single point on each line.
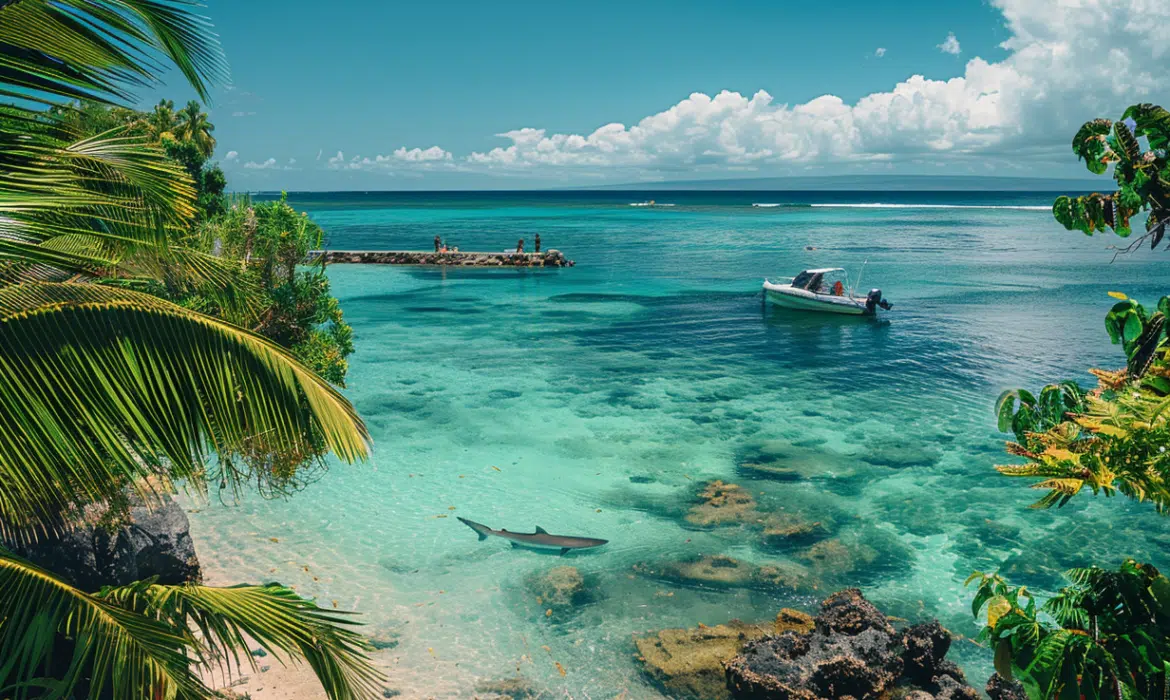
[367, 79]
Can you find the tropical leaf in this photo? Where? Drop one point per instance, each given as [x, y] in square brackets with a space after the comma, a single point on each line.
[288, 626]
[94, 49]
[1128, 147]
[116, 651]
[1090, 146]
[1151, 121]
[101, 386]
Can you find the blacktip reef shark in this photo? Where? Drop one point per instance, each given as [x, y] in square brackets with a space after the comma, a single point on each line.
[537, 540]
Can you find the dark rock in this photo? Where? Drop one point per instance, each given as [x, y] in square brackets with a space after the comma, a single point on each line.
[848, 612]
[853, 652]
[146, 542]
[951, 689]
[639, 479]
[926, 647]
[1000, 688]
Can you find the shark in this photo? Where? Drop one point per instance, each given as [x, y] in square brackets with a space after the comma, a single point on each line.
[536, 540]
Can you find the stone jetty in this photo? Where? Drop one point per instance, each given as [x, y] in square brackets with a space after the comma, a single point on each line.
[548, 258]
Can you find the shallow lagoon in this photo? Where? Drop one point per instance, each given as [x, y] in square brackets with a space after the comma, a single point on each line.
[598, 400]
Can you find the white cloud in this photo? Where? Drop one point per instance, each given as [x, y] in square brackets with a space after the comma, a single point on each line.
[879, 52]
[319, 152]
[418, 155]
[243, 114]
[269, 164]
[950, 45]
[1068, 61]
[231, 155]
[292, 161]
[415, 158]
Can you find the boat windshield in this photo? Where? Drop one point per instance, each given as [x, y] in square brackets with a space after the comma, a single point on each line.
[821, 281]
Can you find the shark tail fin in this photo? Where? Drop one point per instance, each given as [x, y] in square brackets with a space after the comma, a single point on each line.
[480, 530]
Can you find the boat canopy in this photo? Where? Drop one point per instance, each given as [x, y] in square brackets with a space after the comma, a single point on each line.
[819, 280]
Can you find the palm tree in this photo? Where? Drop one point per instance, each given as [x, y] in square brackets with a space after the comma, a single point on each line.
[162, 119]
[194, 127]
[104, 387]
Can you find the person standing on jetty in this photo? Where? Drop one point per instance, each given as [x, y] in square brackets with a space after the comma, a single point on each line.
[438, 242]
[520, 246]
[537, 248]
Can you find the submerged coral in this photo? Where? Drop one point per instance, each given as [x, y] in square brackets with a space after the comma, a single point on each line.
[721, 571]
[722, 504]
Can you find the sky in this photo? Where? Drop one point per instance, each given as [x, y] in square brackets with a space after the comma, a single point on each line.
[386, 95]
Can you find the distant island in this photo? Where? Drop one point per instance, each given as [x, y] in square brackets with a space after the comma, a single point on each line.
[854, 183]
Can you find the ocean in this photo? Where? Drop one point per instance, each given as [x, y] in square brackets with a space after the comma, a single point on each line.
[600, 400]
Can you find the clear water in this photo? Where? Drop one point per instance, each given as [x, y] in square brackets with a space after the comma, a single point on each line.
[519, 398]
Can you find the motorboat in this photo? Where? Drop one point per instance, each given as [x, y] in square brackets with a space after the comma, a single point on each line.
[825, 289]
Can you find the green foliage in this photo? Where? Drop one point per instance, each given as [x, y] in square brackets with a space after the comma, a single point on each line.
[271, 241]
[1022, 412]
[1110, 440]
[1103, 636]
[146, 640]
[104, 386]
[1143, 177]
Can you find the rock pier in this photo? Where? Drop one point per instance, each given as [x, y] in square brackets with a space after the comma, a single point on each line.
[548, 258]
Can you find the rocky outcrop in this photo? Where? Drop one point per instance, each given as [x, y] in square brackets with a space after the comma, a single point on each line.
[853, 652]
[999, 688]
[688, 663]
[550, 258]
[148, 542]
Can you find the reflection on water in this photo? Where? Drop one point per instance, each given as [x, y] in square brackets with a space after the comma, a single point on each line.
[606, 400]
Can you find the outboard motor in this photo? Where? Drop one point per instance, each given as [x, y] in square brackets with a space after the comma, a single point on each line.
[874, 299]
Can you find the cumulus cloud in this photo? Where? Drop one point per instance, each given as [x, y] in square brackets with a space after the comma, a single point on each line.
[419, 155]
[243, 114]
[269, 164]
[950, 45]
[402, 158]
[1068, 61]
[879, 52]
[292, 161]
[231, 155]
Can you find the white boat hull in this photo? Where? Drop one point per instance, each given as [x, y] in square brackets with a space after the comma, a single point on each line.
[792, 298]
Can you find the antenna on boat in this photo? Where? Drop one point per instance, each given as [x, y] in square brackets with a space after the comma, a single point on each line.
[857, 284]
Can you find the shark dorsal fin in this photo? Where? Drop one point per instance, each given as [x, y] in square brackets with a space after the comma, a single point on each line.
[540, 530]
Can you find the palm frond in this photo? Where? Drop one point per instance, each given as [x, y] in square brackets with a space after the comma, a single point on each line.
[114, 187]
[117, 651]
[99, 49]
[100, 386]
[282, 622]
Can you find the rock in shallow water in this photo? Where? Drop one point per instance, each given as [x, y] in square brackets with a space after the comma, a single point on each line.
[852, 653]
[722, 504]
[720, 571]
[560, 588]
[688, 663]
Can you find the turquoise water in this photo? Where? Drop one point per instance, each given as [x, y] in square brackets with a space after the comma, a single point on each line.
[597, 401]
